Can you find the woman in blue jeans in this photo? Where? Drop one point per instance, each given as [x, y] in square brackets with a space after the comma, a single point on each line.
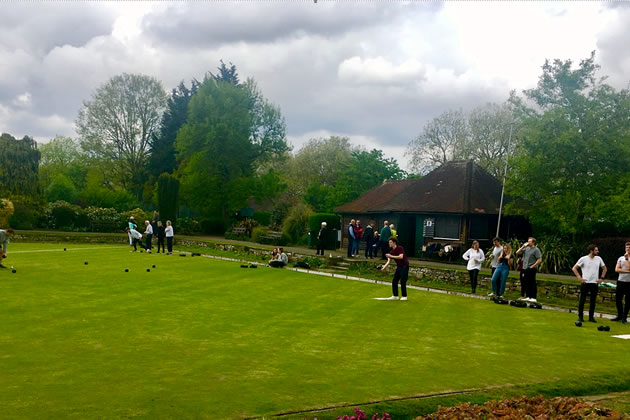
[500, 275]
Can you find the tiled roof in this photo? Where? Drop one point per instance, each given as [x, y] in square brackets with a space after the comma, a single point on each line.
[455, 187]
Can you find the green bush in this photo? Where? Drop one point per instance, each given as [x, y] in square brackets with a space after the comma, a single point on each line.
[139, 216]
[262, 217]
[104, 220]
[279, 213]
[61, 188]
[61, 215]
[28, 213]
[187, 226]
[295, 226]
[213, 226]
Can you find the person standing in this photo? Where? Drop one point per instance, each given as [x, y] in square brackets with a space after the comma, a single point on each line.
[623, 286]
[148, 232]
[321, 238]
[5, 235]
[590, 278]
[376, 244]
[351, 237]
[496, 251]
[131, 224]
[169, 237]
[500, 274]
[358, 234]
[474, 256]
[154, 222]
[368, 235]
[532, 258]
[160, 237]
[393, 230]
[398, 254]
[384, 238]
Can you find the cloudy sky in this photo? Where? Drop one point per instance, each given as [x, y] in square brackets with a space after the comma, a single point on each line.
[375, 71]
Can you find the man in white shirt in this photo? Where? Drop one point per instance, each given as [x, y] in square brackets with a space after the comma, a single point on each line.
[4, 243]
[590, 278]
[623, 286]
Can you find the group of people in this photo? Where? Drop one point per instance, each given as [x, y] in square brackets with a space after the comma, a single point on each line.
[591, 271]
[374, 240]
[278, 258]
[502, 258]
[157, 229]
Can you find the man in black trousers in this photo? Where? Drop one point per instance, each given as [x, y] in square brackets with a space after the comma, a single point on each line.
[623, 286]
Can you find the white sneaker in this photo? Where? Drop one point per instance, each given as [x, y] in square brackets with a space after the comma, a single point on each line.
[522, 299]
[491, 294]
[403, 298]
[393, 298]
[532, 300]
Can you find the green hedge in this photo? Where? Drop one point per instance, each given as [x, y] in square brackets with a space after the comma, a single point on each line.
[262, 217]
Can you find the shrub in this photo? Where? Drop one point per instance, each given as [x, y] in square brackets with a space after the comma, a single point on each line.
[61, 215]
[315, 221]
[104, 219]
[6, 211]
[295, 225]
[28, 213]
[61, 188]
[139, 216]
[262, 217]
[187, 226]
[279, 213]
[213, 226]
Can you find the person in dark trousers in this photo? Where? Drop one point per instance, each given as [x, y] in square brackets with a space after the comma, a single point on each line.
[474, 256]
[398, 254]
[281, 261]
[154, 222]
[161, 234]
[376, 244]
[368, 234]
[358, 234]
[384, 239]
[623, 286]
[532, 258]
[351, 237]
[169, 237]
[148, 232]
[590, 278]
[321, 238]
[135, 238]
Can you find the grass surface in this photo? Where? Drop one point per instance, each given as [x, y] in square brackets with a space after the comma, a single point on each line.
[202, 338]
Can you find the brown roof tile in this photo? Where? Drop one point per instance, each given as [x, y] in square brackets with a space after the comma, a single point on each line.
[455, 187]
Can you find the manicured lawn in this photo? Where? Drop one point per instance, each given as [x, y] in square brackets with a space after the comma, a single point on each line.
[202, 338]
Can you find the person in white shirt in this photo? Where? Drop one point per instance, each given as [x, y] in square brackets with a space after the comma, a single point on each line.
[4, 243]
[474, 256]
[169, 237]
[590, 278]
[623, 286]
[135, 238]
[148, 232]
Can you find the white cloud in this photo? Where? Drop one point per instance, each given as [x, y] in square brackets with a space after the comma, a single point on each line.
[378, 70]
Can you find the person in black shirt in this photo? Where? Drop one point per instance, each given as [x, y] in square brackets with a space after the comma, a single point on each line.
[321, 238]
[161, 234]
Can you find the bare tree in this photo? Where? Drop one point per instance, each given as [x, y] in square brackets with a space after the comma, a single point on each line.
[118, 123]
[442, 139]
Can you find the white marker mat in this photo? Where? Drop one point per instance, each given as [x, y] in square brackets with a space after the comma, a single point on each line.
[625, 336]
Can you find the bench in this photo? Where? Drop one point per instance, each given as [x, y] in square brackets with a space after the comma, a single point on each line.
[272, 237]
[239, 231]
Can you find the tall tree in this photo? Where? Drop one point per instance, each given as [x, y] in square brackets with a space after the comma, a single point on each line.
[19, 161]
[163, 145]
[219, 150]
[442, 139]
[574, 151]
[168, 197]
[62, 156]
[118, 123]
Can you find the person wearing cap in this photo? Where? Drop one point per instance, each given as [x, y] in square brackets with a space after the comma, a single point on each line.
[4, 243]
[321, 238]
